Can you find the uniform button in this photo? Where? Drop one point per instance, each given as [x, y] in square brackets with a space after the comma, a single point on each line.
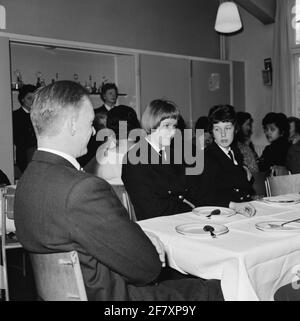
[169, 192]
[248, 195]
[241, 198]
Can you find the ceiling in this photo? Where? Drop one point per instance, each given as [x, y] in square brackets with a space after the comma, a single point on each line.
[263, 10]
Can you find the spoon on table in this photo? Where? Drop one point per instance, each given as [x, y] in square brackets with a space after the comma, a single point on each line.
[282, 224]
[210, 229]
[214, 212]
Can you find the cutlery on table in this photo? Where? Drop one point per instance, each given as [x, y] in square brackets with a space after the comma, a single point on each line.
[186, 201]
[214, 212]
[210, 229]
[282, 224]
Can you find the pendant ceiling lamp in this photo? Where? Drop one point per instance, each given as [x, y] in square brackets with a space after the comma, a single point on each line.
[228, 18]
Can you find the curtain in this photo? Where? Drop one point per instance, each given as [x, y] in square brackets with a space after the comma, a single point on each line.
[282, 72]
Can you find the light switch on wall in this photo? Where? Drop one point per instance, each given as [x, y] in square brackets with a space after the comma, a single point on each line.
[2, 17]
[214, 82]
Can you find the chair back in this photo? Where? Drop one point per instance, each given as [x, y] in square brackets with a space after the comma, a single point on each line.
[124, 198]
[7, 229]
[259, 184]
[58, 276]
[285, 184]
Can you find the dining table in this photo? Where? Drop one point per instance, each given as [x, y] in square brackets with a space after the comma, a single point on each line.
[251, 256]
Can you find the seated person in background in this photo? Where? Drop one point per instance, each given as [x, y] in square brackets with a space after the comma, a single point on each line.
[93, 144]
[294, 133]
[3, 179]
[74, 210]
[293, 158]
[293, 155]
[110, 154]
[243, 141]
[224, 180]
[155, 185]
[23, 132]
[109, 95]
[273, 158]
[202, 123]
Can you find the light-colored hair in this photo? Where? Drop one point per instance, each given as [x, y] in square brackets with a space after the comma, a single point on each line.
[53, 103]
[157, 111]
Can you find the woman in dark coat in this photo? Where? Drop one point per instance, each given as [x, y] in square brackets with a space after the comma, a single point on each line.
[224, 180]
[276, 128]
[156, 186]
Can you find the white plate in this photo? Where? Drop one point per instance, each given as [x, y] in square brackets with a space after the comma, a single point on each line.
[206, 210]
[282, 199]
[196, 229]
[290, 227]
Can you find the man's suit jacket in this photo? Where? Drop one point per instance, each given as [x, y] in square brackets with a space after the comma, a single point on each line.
[58, 209]
[102, 109]
[153, 187]
[221, 182]
[24, 137]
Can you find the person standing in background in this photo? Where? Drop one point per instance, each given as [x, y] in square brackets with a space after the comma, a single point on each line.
[23, 132]
[109, 95]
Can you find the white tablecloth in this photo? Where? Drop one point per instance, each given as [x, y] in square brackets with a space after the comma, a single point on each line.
[250, 263]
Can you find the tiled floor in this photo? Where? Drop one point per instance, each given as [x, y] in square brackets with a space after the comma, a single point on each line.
[21, 288]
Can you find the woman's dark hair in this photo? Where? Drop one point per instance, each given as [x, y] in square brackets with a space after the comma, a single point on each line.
[107, 87]
[24, 90]
[157, 111]
[181, 124]
[125, 114]
[279, 120]
[221, 113]
[241, 118]
[295, 120]
[202, 123]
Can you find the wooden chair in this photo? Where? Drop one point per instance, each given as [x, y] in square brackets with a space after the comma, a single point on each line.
[124, 198]
[8, 240]
[285, 184]
[58, 276]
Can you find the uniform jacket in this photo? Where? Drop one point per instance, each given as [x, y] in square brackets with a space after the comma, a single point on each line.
[24, 137]
[153, 186]
[221, 182]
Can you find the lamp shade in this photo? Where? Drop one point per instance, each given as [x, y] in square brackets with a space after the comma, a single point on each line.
[228, 18]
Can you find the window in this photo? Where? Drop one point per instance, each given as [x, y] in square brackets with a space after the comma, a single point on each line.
[294, 10]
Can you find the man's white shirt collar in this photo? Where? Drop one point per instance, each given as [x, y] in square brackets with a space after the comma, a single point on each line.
[108, 107]
[26, 111]
[69, 158]
[156, 148]
[225, 150]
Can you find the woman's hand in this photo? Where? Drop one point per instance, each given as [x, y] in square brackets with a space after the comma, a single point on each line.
[245, 209]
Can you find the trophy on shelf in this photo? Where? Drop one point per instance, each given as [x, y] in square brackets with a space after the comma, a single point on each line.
[40, 82]
[19, 82]
[104, 81]
[38, 79]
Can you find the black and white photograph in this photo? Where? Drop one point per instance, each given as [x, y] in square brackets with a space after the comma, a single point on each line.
[150, 153]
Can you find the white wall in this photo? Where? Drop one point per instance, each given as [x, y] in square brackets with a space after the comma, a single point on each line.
[252, 46]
